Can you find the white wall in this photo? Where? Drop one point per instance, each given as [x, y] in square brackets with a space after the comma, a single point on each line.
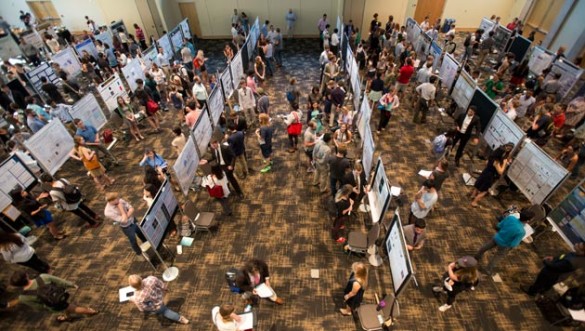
[384, 8]
[468, 14]
[215, 16]
[73, 12]
[10, 11]
[169, 13]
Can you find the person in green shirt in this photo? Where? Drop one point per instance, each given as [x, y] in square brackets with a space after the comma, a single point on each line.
[29, 297]
[494, 86]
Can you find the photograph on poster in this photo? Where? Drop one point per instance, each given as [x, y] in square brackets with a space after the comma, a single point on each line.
[202, 132]
[186, 165]
[89, 111]
[50, 146]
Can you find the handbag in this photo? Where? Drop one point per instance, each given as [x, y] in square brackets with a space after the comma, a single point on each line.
[295, 128]
[151, 107]
[216, 191]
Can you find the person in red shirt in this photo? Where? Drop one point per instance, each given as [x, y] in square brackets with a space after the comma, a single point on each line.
[140, 36]
[404, 76]
[559, 117]
[512, 25]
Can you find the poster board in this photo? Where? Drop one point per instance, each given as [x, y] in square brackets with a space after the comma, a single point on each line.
[436, 52]
[68, 61]
[132, 71]
[88, 46]
[237, 68]
[111, 89]
[105, 37]
[486, 25]
[540, 59]
[186, 165]
[379, 194]
[51, 146]
[535, 173]
[411, 29]
[349, 60]
[463, 90]
[215, 105]
[368, 151]
[89, 111]
[448, 71]
[32, 37]
[569, 215]
[356, 85]
[226, 83]
[501, 37]
[118, 24]
[253, 38]
[185, 28]
[149, 57]
[176, 36]
[365, 116]
[202, 132]
[43, 70]
[398, 257]
[502, 130]
[569, 72]
[159, 215]
[519, 47]
[5, 201]
[13, 172]
[486, 107]
[423, 45]
[164, 42]
[9, 48]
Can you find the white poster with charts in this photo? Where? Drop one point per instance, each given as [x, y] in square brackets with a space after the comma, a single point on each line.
[364, 117]
[132, 71]
[159, 215]
[186, 165]
[202, 132]
[448, 71]
[237, 68]
[165, 43]
[215, 105]
[463, 90]
[540, 59]
[502, 130]
[535, 173]
[379, 194]
[368, 152]
[68, 61]
[50, 146]
[13, 172]
[89, 111]
[185, 28]
[226, 83]
[110, 90]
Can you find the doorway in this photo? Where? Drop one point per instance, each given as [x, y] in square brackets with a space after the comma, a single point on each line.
[431, 8]
[540, 18]
[149, 15]
[354, 10]
[44, 11]
[189, 11]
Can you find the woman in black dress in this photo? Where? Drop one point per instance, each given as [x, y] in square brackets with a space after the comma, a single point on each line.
[496, 166]
[354, 290]
[343, 205]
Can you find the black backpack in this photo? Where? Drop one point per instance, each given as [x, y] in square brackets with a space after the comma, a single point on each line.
[230, 277]
[51, 295]
[71, 193]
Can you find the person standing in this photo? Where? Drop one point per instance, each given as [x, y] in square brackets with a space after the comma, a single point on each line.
[15, 249]
[149, 297]
[294, 126]
[496, 166]
[217, 179]
[122, 213]
[337, 167]
[91, 163]
[321, 26]
[423, 202]
[247, 102]
[59, 190]
[140, 36]
[254, 273]
[321, 155]
[355, 288]
[29, 296]
[51, 90]
[92, 138]
[222, 155]
[556, 269]
[291, 19]
[465, 123]
[343, 207]
[426, 97]
[309, 141]
[237, 143]
[38, 212]
[278, 47]
[415, 235]
[387, 104]
[264, 135]
[510, 234]
[461, 276]
[485, 48]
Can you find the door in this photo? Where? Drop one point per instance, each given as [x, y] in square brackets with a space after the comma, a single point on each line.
[354, 10]
[189, 11]
[431, 8]
[149, 26]
[44, 11]
[540, 18]
[158, 23]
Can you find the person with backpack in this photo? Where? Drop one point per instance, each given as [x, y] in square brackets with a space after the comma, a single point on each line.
[15, 249]
[68, 197]
[47, 292]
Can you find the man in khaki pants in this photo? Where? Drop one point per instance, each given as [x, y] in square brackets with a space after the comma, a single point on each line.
[485, 48]
[321, 154]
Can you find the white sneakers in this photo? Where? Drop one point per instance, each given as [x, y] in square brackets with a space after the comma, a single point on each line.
[444, 307]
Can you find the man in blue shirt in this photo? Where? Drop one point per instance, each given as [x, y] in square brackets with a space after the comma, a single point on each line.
[510, 234]
[92, 138]
[33, 122]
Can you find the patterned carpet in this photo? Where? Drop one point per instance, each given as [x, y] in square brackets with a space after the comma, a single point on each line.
[283, 220]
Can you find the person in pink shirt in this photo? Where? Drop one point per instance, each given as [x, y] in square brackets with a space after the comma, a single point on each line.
[250, 82]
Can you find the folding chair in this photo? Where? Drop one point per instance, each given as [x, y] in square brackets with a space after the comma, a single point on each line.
[372, 319]
[200, 221]
[358, 242]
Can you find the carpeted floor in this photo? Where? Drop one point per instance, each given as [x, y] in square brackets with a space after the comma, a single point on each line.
[284, 221]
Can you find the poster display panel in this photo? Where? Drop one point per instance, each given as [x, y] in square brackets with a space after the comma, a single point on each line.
[463, 89]
[215, 105]
[502, 130]
[423, 45]
[68, 61]
[51, 146]
[165, 43]
[202, 132]
[132, 71]
[159, 215]
[185, 28]
[149, 57]
[88, 46]
[398, 257]
[176, 36]
[569, 72]
[379, 194]
[237, 69]
[411, 35]
[13, 172]
[448, 71]
[43, 70]
[110, 90]
[540, 59]
[89, 111]
[186, 165]
[519, 47]
[501, 37]
[32, 37]
[486, 25]
[226, 83]
[569, 215]
[485, 107]
[9, 48]
[106, 38]
[365, 116]
[436, 52]
[368, 151]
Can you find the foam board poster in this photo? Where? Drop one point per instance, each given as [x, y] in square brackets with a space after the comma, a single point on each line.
[411, 30]
[149, 57]
[186, 165]
[436, 52]
[185, 28]
[51, 146]
[202, 132]
[502, 130]
[237, 68]
[32, 37]
[68, 61]
[398, 257]
[368, 151]
[226, 83]
[89, 111]
[365, 116]
[215, 105]
[105, 37]
[486, 25]
[569, 72]
[463, 90]
[356, 86]
[165, 43]
[13, 172]
[110, 90]
[88, 46]
[379, 194]
[132, 71]
[159, 215]
[176, 36]
[43, 70]
[540, 59]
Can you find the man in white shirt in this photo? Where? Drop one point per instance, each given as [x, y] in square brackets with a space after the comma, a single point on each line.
[424, 25]
[424, 73]
[290, 18]
[122, 213]
[426, 93]
[187, 57]
[526, 101]
[510, 109]
[163, 61]
[235, 17]
[335, 41]
[423, 202]
[271, 34]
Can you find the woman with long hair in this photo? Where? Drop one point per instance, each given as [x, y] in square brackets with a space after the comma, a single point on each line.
[388, 103]
[495, 167]
[260, 70]
[152, 177]
[217, 178]
[199, 65]
[343, 205]
[354, 290]
[125, 110]
[38, 212]
[176, 99]
[15, 249]
[264, 135]
[91, 163]
[461, 275]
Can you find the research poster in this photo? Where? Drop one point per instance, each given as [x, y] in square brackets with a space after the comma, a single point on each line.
[501, 37]
[89, 111]
[379, 194]
[159, 215]
[364, 116]
[51, 146]
[133, 71]
[32, 37]
[185, 28]
[149, 57]
[423, 46]
[110, 90]
[400, 264]
[186, 165]
[43, 70]
[226, 83]
[410, 30]
[237, 69]
[202, 132]
[88, 46]
[356, 86]
[106, 38]
[164, 42]
[349, 60]
[436, 53]
[215, 105]
[464, 89]
[368, 152]
[68, 61]
[486, 25]
[501, 131]
[540, 59]
[13, 172]
[569, 72]
[448, 71]
[176, 36]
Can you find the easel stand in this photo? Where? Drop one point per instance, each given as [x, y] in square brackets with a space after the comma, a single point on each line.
[170, 273]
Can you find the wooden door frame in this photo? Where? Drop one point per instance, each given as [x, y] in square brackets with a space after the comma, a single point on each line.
[432, 19]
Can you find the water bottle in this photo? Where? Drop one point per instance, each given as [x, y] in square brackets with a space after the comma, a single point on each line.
[248, 308]
[380, 319]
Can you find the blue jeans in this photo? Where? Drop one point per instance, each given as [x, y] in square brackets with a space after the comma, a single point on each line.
[166, 312]
[278, 56]
[130, 232]
[269, 68]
